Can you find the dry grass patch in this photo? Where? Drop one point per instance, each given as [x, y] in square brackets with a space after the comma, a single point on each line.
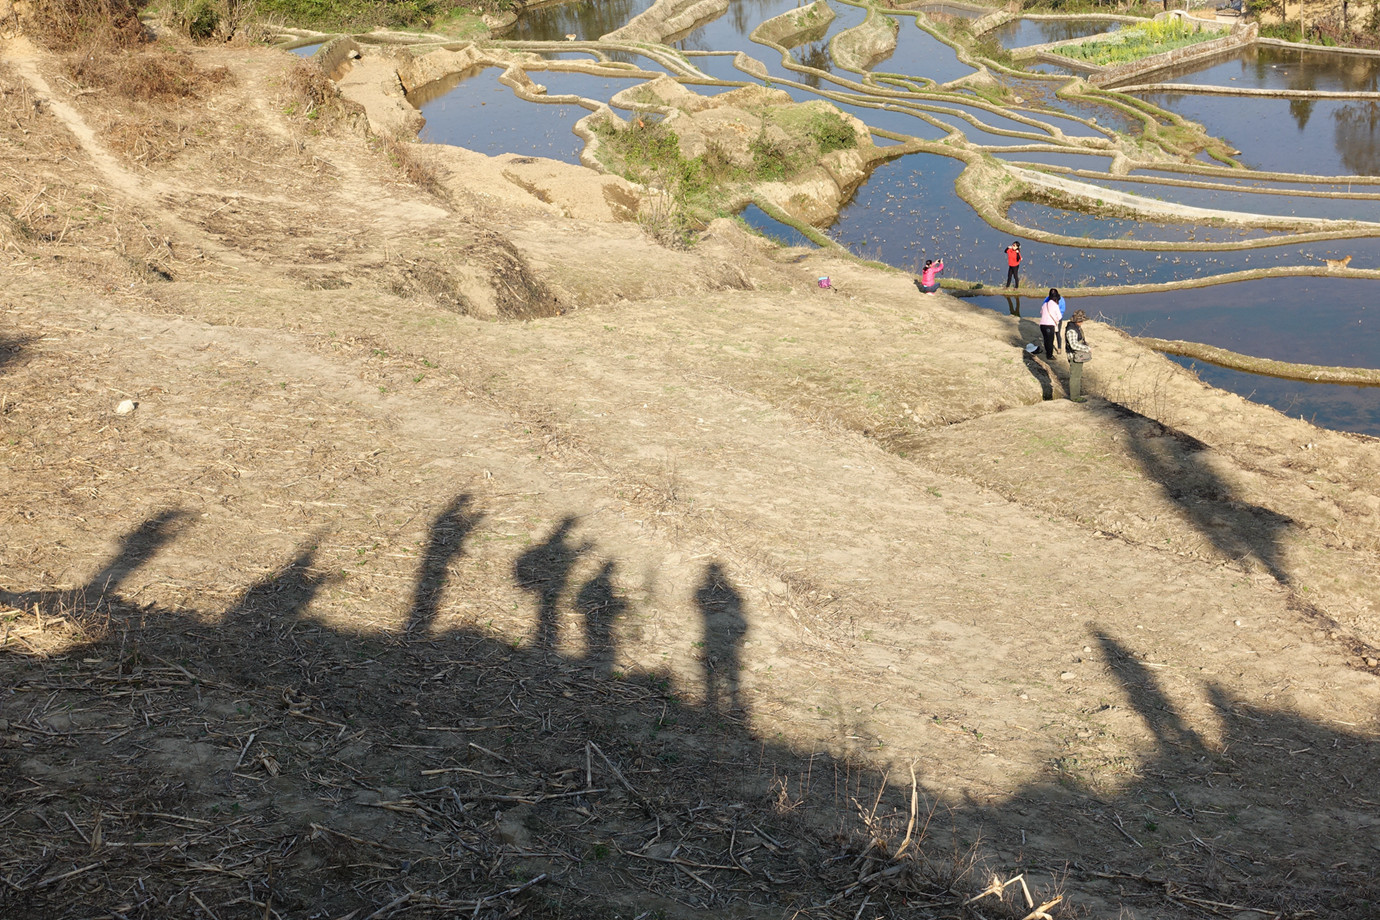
[68, 25]
[313, 97]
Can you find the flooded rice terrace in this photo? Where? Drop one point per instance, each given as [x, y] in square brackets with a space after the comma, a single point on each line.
[1297, 159]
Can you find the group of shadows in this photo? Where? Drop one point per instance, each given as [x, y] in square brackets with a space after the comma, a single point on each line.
[1264, 810]
[259, 762]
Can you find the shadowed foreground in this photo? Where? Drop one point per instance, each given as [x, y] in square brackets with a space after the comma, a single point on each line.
[257, 764]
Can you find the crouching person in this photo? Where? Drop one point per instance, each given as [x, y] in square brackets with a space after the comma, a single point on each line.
[1077, 348]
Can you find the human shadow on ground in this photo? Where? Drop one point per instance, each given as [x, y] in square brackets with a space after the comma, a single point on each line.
[721, 610]
[1257, 806]
[446, 542]
[1182, 466]
[545, 570]
[258, 762]
[1026, 332]
[11, 347]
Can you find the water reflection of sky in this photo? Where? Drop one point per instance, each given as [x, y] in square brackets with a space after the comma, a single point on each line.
[1283, 205]
[1269, 67]
[1328, 137]
[908, 212]
[1341, 407]
[1089, 161]
[475, 111]
[1021, 32]
[585, 19]
[588, 86]
[921, 54]
[785, 234]
[306, 50]
[1332, 324]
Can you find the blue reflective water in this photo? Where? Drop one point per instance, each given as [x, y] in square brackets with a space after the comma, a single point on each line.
[1327, 137]
[473, 110]
[587, 86]
[583, 19]
[939, 11]
[1021, 32]
[307, 50]
[1288, 204]
[785, 234]
[1270, 67]
[898, 119]
[1090, 161]
[919, 53]
[907, 212]
[1330, 321]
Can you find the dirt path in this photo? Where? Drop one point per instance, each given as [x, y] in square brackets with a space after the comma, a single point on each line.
[755, 541]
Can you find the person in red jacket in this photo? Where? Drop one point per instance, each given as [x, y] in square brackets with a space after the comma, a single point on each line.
[1013, 265]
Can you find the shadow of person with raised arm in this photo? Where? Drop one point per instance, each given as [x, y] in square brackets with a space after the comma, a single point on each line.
[1183, 467]
[600, 607]
[284, 594]
[1149, 700]
[721, 608]
[446, 541]
[136, 548]
[545, 570]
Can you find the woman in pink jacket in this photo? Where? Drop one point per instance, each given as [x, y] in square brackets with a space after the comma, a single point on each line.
[1051, 314]
[928, 283]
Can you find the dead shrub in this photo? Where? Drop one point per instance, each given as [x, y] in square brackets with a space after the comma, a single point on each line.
[65, 25]
[313, 96]
[422, 175]
[147, 138]
[152, 76]
[211, 20]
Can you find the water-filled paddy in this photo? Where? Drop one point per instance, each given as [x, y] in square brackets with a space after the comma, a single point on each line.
[1328, 137]
[473, 110]
[584, 19]
[908, 210]
[918, 53]
[1021, 32]
[584, 85]
[1088, 161]
[1270, 67]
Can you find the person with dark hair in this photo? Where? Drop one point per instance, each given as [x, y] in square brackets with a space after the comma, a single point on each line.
[1013, 265]
[1079, 352]
[928, 282]
[1051, 314]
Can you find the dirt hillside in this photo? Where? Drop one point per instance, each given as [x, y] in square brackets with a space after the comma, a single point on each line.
[402, 532]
